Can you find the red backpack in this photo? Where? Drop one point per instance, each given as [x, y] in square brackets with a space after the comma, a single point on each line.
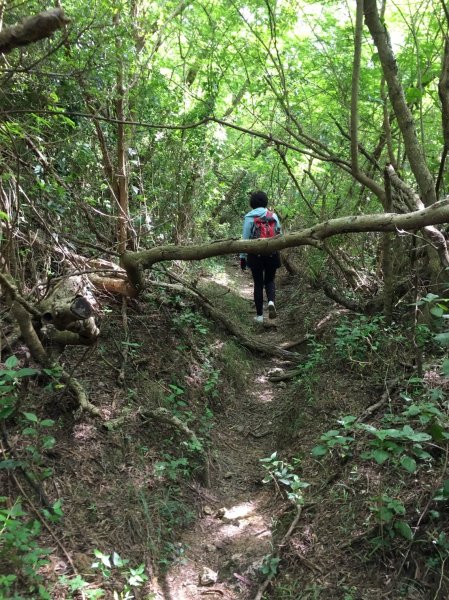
[263, 227]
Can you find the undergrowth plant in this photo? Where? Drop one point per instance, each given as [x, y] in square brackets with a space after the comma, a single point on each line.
[21, 556]
[402, 447]
[282, 472]
[115, 572]
[361, 339]
[307, 374]
[389, 513]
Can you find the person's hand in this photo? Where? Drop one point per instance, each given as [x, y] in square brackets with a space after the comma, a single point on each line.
[243, 264]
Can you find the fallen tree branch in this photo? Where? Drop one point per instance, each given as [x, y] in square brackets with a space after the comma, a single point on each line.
[231, 326]
[136, 262]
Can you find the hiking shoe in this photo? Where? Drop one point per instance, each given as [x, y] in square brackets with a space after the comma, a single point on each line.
[259, 319]
[272, 314]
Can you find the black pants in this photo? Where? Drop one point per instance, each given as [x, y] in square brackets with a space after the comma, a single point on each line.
[263, 269]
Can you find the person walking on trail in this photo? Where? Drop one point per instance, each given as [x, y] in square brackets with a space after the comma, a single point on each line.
[261, 223]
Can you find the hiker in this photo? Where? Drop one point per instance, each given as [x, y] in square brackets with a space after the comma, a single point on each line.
[261, 223]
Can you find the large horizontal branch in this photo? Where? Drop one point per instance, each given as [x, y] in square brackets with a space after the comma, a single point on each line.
[32, 29]
[135, 262]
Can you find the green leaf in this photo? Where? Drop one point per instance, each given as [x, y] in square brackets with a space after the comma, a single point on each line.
[404, 529]
[385, 515]
[442, 338]
[5, 412]
[437, 311]
[9, 464]
[319, 451]
[11, 362]
[26, 372]
[437, 432]
[445, 367]
[3, 216]
[380, 456]
[31, 417]
[408, 463]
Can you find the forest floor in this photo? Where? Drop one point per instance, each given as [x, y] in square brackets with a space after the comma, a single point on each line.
[212, 528]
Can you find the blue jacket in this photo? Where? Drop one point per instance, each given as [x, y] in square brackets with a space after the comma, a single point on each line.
[249, 220]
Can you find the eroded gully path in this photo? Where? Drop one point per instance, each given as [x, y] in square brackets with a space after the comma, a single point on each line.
[233, 532]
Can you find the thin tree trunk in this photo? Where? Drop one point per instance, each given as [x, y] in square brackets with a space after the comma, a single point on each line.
[403, 114]
[387, 263]
[122, 166]
[355, 87]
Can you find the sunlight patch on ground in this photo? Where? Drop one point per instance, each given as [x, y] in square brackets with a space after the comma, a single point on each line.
[239, 511]
[222, 278]
[242, 533]
[264, 391]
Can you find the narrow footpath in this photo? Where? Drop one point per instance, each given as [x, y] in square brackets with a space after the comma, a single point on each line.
[223, 552]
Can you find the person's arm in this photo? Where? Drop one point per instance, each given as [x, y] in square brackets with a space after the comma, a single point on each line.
[278, 227]
[246, 234]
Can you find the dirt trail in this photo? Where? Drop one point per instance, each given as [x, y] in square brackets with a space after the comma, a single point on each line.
[234, 531]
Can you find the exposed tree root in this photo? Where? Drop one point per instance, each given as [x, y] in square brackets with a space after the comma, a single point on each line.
[165, 416]
[389, 386]
[334, 294]
[80, 393]
[318, 329]
[232, 327]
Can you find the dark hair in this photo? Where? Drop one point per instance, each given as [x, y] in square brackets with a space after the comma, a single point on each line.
[258, 200]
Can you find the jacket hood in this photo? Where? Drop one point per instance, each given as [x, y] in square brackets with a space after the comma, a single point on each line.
[256, 212]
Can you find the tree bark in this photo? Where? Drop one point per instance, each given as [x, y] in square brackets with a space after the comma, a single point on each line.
[136, 262]
[69, 307]
[355, 87]
[32, 29]
[403, 114]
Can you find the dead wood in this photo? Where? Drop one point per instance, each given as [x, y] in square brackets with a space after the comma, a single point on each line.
[115, 282]
[39, 354]
[113, 285]
[32, 29]
[69, 307]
